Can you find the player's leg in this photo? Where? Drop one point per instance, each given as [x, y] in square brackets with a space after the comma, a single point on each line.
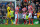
[7, 20]
[29, 19]
[17, 21]
[30, 16]
[24, 21]
[16, 18]
[32, 21]
[12, 20]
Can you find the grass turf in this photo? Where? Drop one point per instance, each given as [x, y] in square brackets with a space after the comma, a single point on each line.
[20, 25]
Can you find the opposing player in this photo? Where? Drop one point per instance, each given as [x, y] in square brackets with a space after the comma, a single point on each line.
[8, 13]
[12, 15]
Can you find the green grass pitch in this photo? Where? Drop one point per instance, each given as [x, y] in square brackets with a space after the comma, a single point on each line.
[20, 25]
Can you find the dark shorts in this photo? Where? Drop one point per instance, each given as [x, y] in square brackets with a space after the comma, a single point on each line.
[12, 17]
[24, 20]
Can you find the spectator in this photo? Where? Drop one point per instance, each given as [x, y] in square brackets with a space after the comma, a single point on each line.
[2, 13]
[3, 7]
[37, 4]
[33, 5]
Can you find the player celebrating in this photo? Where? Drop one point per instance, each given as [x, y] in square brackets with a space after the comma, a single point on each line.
[30, 9]
[24, 14]
[17, 9]
[16, 14]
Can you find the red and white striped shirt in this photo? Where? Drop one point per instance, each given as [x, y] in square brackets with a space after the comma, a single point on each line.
[30, 9]
[16, 14]
[24, 15]
[17, 9]
[24, 9]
